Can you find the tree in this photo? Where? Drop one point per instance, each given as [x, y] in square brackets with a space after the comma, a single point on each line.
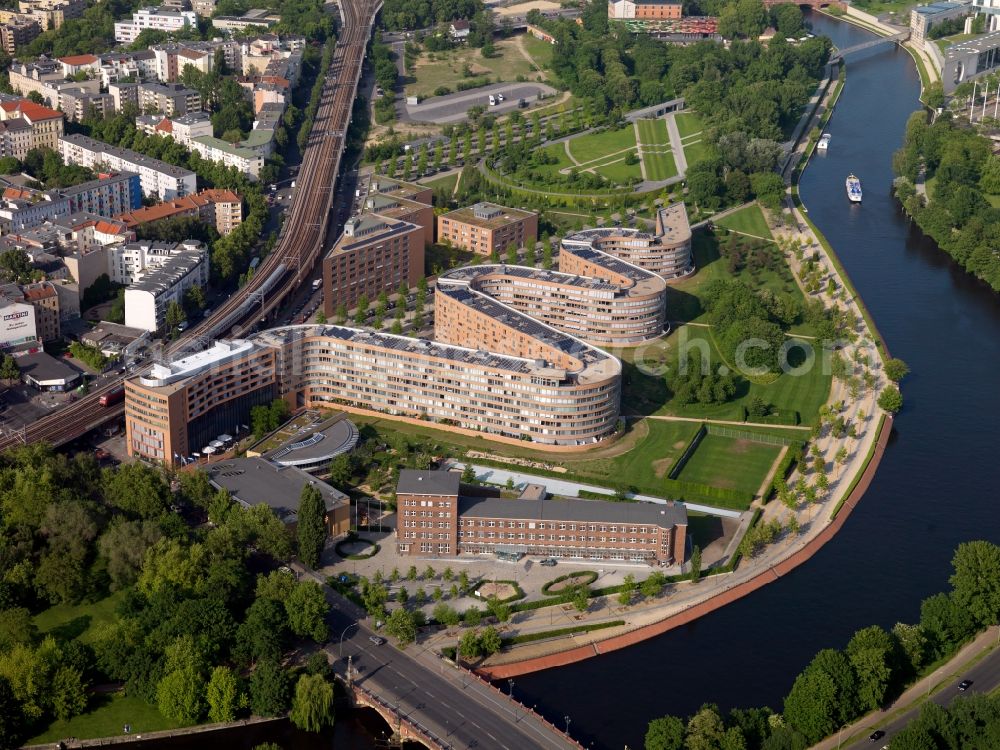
[311, 529]
[11, 716]
[341, 470]
[823, 696]
[179, 695]
[628, 590]
[123, 545]
[890, 399]
[490, 640]
[976, 581]
[469, 646]
[306, 607]
[896, 369]
[871, 652]
[263, 633]
[581, 598]
[137, 489]
[469, 475]
[268, 689]
[696, 563]
[446, 615]
[402, 626]
[69, 693]
[222, 695]
[175, 315]
[312, 706]
[8, 368]
[705, 730]
[666, 733]
[653, 584]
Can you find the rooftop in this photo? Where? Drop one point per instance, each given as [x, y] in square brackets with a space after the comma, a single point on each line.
[132, 157]
[488, 215]
[219, 353]
[589, 511]
[318, 441]
[44, 369]
[256, 481]
[982, 43]
[415, 482]
[31, 111]
[935, 8]
[179, 264]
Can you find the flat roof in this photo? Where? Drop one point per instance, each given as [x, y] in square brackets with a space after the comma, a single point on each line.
[590, 511]
[467, 215]
[44, 369]
[943, 7]
[133, 157]
[221, 351]
[973, 46]
[256, 481]
[416, 482]
[321, 441]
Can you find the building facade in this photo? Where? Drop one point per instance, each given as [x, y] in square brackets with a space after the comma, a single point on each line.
[373, 255]
[159, 19]
[156, 177]
[487, 228]
[435, 518]
[644, 10]
[17, 32]
[46, 124]
[221, 208]
[179, 408]
[170, 270]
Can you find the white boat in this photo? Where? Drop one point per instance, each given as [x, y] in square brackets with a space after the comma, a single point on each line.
[824, 142]
[854, 189]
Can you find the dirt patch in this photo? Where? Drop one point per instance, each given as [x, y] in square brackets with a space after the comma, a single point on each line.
[662, 465]
[499, 590]
[741, 446]
[680, 444]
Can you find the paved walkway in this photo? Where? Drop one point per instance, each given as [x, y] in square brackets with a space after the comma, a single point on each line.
[680, 160]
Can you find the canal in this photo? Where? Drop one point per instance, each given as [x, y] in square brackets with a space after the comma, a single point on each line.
[931, 491]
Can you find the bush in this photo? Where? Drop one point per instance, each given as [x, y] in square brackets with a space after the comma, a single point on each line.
[579, 578]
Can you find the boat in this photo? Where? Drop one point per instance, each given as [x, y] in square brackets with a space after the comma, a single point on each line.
[824, 142]
[854, 189]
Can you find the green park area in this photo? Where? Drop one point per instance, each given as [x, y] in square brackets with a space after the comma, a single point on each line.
[107, 715]
[538, 50]
[688, 124]
[437, 71]
[748, 220]
[611, 154]
[691, 129]
[77, 621]
[729, 462]
[657, 156]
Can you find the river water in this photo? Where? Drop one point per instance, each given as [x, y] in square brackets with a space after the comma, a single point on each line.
[930, 493]
[931, 490]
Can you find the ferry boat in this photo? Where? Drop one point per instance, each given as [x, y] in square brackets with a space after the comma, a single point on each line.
[854, 189]
[824, 142]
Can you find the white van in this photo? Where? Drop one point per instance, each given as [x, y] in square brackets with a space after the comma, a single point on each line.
[493, 100]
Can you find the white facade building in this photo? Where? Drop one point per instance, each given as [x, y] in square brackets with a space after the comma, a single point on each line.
[169, 271]
[154, 18]
[17, 324]
[156, 177]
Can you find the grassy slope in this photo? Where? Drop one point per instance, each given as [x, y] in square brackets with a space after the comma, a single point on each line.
[79, 620]
[447, 67]
[107, 717]
[595, 145]
[728, 462]
[749, 220]
[688, 123]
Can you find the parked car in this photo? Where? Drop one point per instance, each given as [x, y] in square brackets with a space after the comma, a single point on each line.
[376, 639]
[550, 562]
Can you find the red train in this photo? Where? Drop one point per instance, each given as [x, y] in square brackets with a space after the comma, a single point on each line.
[112, 397]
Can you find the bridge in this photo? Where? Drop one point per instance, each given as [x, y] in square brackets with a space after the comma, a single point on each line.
[423, 697]
[894, 39]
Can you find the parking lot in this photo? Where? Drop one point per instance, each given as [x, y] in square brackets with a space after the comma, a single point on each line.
[453, 107]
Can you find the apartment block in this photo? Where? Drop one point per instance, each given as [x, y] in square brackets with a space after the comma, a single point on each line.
[156, 177]
[182, 129]
[44, 298]
[16, 138]
[436, 516]
[51, 14]
[246, 160]
[373, 255]
[46, 124]
[177, 268]
[153, 18]
[180, 407]
[644, 10]
[17, 32]
[169, 98]
[173, 58]
[405, 201]
[486, 228]
[221, 208]
[23, 208]
[109, 195]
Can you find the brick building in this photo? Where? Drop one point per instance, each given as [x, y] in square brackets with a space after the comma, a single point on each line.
[485, 228]
[648, 10]
[436, 517]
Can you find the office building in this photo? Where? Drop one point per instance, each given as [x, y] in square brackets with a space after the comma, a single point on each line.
[924, 17]
[644, 10]
[159, 19]
[436, 516]
[406, 201]
[156, 177]
[373, 255]
[487, 228]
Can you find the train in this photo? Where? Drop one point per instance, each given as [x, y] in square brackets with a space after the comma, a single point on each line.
[112, 397]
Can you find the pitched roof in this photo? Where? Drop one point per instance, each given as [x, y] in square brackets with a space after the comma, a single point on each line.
[78, 59]
[30, 110]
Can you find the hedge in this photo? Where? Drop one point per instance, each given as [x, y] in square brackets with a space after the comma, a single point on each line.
[364, 555]
[542, 635]
[589, 575]
[682, 460]
[518, 592]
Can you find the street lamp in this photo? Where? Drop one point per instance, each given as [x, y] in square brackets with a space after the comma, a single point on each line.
[510, 684]
[340, 648]
[567, 720]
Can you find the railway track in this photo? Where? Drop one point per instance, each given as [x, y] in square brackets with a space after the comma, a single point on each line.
[298, 248]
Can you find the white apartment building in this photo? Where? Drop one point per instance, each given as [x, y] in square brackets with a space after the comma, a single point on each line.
[171, 270]
[17, 324]
[156, 177]
[126, 32]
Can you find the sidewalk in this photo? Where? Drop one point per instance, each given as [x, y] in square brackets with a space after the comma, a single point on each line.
[918, 692]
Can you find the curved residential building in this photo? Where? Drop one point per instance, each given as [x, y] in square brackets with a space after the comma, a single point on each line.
[667, 253]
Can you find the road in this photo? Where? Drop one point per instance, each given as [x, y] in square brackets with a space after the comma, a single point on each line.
[457, 707]
[453, 107]
[290, 262]
[985, 676]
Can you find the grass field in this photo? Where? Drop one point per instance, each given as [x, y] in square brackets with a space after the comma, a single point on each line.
[656, 153]
[640, 458]
[697, 150]
[596, 146]
[446, 183]
[539, 51]
[730, 463]
[78, 620]
[749, 220]
[688, 124]
[618, 171]
[108, 715]
[447, 68]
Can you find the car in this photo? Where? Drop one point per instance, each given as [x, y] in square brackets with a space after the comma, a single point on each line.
[964, 685]
[550, 562]
[876, 735]
[377, 640]
[493, 100]
[499, 97]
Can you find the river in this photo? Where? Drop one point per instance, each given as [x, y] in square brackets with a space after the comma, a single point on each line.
[931, 490]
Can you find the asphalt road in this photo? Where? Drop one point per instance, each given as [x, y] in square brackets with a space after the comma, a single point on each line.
[453, 107]
[985, 677]
[425, 689]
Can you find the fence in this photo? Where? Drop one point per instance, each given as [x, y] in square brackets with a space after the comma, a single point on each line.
[681, 462]
[753, 437]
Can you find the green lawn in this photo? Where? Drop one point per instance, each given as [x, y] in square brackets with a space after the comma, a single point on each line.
[448, 68]
[539, 51]
[749, 220]
[653, 132]
[730, 463]
[656, 153]
[446, 183]
[945, 42]
[659, 165]
[558, 152]
[641, 458]
[617, 170]
[688, 123]
[78, 620]
[108, 715]
[697, 150]
[594, 146]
